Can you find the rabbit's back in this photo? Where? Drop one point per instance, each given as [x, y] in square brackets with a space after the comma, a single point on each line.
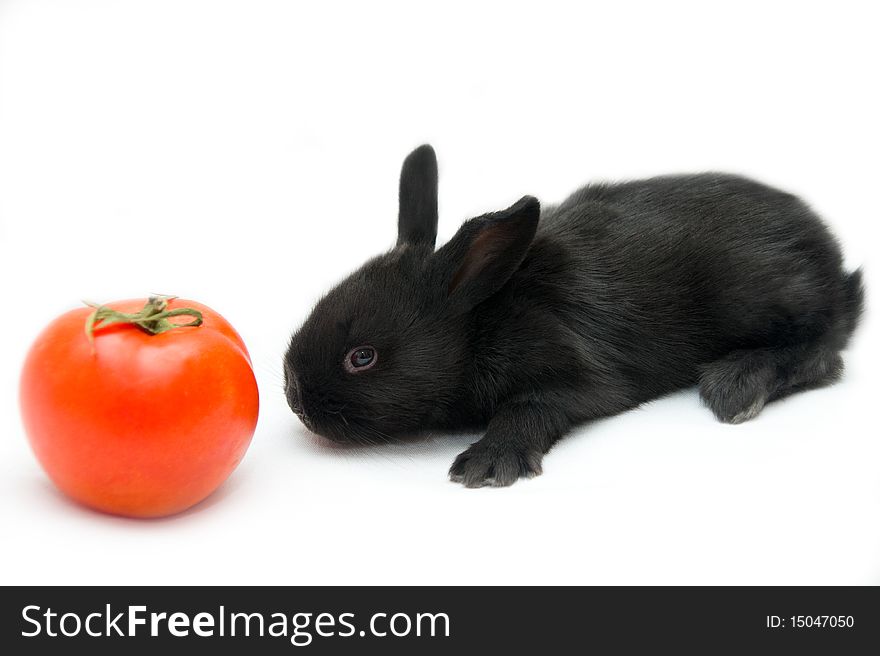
[673, 272]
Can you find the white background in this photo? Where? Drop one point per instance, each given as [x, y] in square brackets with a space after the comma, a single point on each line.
[246, 154]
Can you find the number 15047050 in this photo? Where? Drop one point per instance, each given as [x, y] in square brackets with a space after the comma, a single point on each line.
[811, 621]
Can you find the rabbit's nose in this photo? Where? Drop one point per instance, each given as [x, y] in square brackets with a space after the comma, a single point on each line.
[294, 393]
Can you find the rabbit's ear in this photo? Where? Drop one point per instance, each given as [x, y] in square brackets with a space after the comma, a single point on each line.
[486, 251]
[417, 219]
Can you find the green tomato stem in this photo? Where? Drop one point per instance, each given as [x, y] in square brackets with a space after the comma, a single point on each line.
[152, 318]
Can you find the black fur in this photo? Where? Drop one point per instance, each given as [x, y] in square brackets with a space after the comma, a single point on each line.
[621, 294]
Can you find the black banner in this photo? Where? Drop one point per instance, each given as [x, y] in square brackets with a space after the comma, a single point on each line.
[407, 620]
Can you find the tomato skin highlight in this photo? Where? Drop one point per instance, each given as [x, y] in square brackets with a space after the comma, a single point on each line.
[140, 425]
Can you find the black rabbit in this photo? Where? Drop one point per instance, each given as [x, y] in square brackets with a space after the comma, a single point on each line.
[528, 322]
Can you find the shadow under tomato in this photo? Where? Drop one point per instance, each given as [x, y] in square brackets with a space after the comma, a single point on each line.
[47, 488]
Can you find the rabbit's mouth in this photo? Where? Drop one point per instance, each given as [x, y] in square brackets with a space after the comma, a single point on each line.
[330, 424]
[328, 418]
[333, 427]
[336, 427]
[304, 418]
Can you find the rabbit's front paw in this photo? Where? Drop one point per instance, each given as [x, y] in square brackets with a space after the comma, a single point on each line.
[494, 464]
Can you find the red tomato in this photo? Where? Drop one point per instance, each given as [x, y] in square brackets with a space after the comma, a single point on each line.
[139, 424]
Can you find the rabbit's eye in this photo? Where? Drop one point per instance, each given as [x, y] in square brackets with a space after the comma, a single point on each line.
[360, 359]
